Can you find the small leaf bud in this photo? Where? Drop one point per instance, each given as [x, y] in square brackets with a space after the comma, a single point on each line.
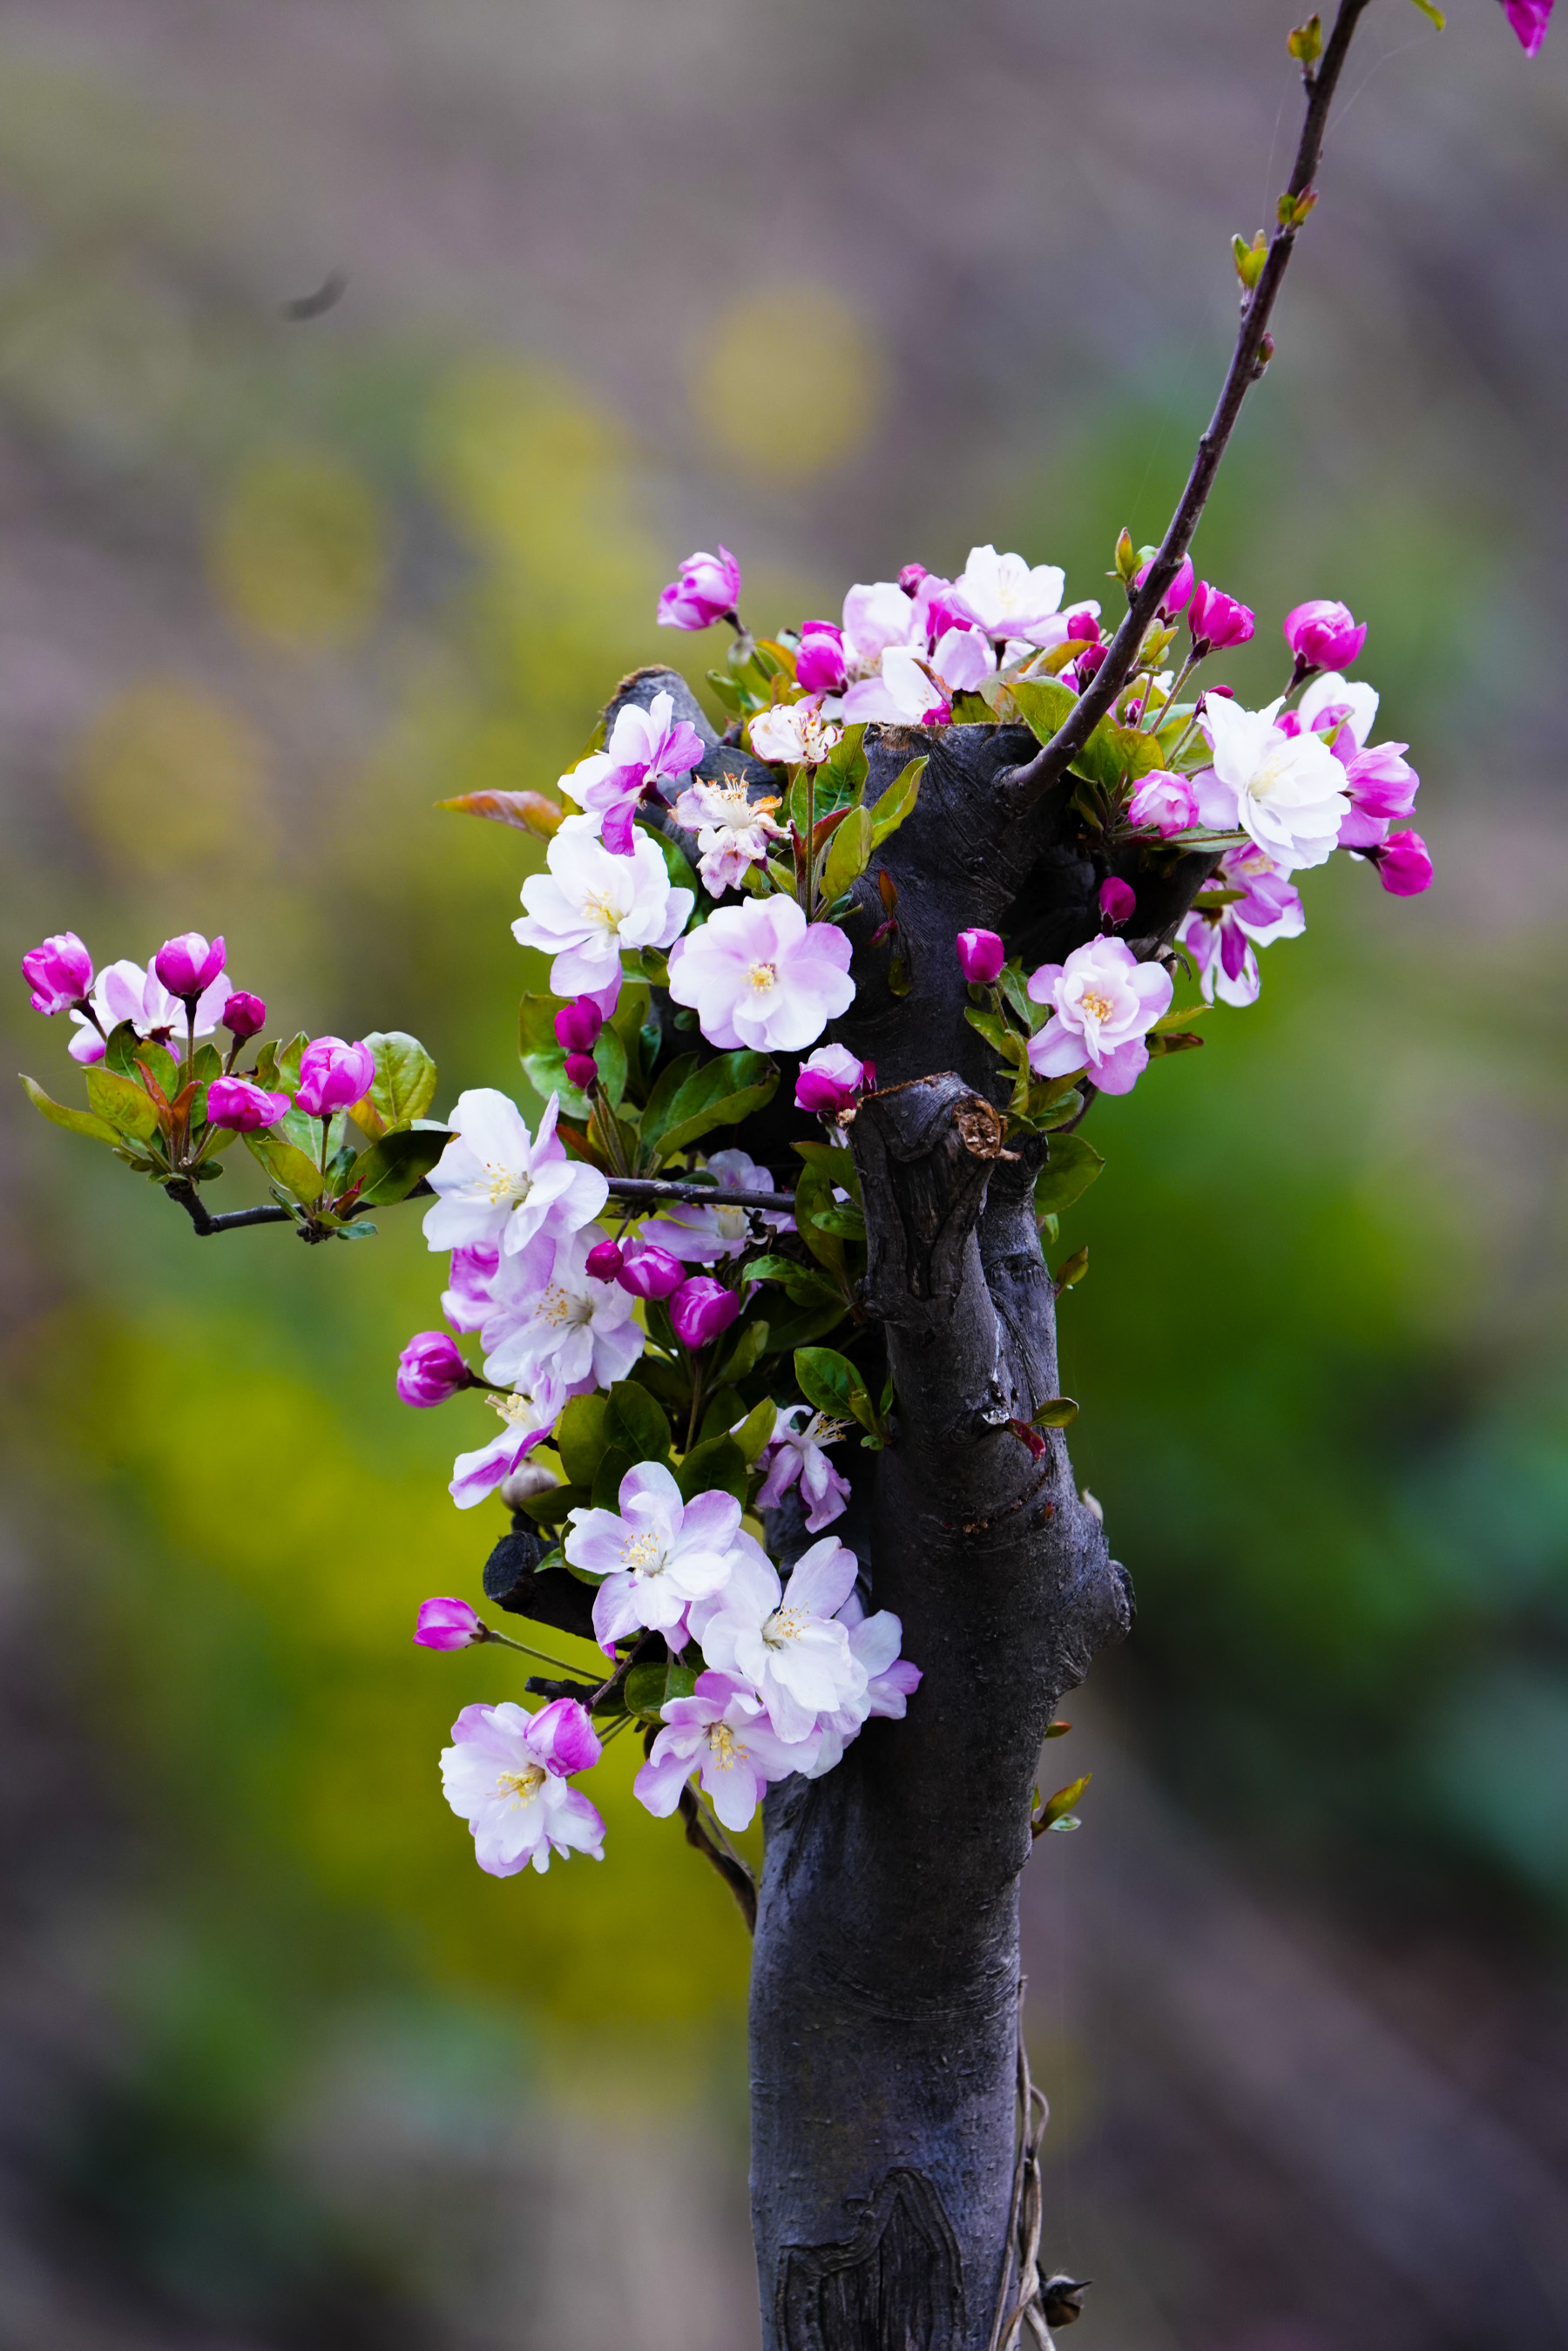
[1306, 43]
[1126, 558]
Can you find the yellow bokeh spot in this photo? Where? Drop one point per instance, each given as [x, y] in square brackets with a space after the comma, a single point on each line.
[298, 553]
[788, 381]
[167, 774]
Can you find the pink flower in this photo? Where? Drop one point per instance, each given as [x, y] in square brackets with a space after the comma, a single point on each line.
[548, 1317]
[1006, 598]
[468, 1300]
[981, 956]
[1216, 620]
[701, 1310]
[733, 829]
[1165, 801]
[1383, 786]
[578, 1024]
[581, 1071]
[1104, 1001]
[1117, 899]
[645, 748]
[1178, 595]
[1323, 635]
[794, 734]
[505, 1775]
[656, 1553]
[448, 1625]
[244, 1016]
[125, 992]
[1403, 863]
[604, 1260]
[60, 972]
[649, 1271]
[891, 1681]
[707, 590]
[1222, 944]
[496, 1183]
[187, 966]
[526, 1421]
[248, 1108]
[832, 1081]
[1528, 19]
[332, 1074]
[792, 1455]
[820, 662]
[910, 578]
[723, 1734]
[784, 1641]
[430, 1369]
[593, 902]
[758, 976]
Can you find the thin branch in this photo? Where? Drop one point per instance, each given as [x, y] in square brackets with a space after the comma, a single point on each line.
[734, 1874]
[191, 1200]
[1050, 763]
[658, 1188]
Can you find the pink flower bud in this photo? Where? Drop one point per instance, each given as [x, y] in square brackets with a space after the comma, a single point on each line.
[1088, 662]
[981, 956]
[1178, 594]
[244, 1016]
[248, 1108]
[448, 1625]
[1084, 628]
[430, 1369]
[582, 1070]
[910, 578]
[1403, 864]
[1165, 800]
[1528, 19]
[832, 1081]
[332, 1075]
[1217, 620]
[701, 1309]
[649, 1271]
[578, 1024]
[60, 972]
[1323, 635]
[820, 663]
[187, 965]
[707, 590]
[1117, 899]
[604, 1260]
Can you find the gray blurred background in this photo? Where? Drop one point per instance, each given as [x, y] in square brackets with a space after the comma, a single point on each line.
[842, 286]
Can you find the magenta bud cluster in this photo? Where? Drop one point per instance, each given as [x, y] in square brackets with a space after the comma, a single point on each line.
[1178, 595]
[242, 1106]
[333, 1074]
[981, 956]
[60, 972]
[604, 1260]
[430, 1369]
[649, 1271]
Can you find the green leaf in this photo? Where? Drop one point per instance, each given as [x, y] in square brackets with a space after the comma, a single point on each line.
[644, 1688]
[403, 1086]
[77, 1121]
[581, 1438]
[757, 1428]
[1071, 1170]
[691, 1099]
[287, 1165]
[550, 1509]
[1435, 15]
[722, 1412]
[120, 1048]
[848, 853]
[614, 1464]
[748, 1348]
[896, 803]
[1000, 1034]
[1057, 1812]
[1072, 1270]
[830, 1382]
[680, 1681]
[718, 1465]
[634, 1424]
[788, 1332]
[121, 1101]
[1049, 1108]
[848, 1222]
[1056, 1412]
[814, 1196]
[835, 1160]
[393, 1164]
[1110, 751]
[286, 1065]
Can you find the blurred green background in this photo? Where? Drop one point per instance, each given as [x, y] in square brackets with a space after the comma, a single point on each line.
[842, 288]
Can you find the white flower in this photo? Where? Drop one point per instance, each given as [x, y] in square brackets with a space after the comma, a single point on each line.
[784, 1642]
[794, 733]
[878, 614]
[549, 1315]
[701, 1234]
[1006, 598]
[1340, 700]
[526, 1421]
[1286, 791]
[499, 1185]
[656, 1553]
[759, 974]
[591, 904]
[124, 991]
[891, 1682]
[506, 1776]
[733, 831]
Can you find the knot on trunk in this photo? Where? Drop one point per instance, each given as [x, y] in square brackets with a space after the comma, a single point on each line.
[897, 2279]
[925, 1152]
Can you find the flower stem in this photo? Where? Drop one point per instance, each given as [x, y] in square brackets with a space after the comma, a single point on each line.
[505, 1641]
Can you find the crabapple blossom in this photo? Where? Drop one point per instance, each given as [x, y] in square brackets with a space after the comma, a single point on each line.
[448, 1625]
[784, 1640]
[124, 991]
[1117, 899]
[333, 1074]
[904, 693]
[794, 1455]
[505, 1774]
[1222, 943]
[1104, 1001]
[831, 1080]
[187, 966]
[604, 1260]
[981, 956]
[578, 1024]
[819, 666]
[430, 1369]
[1216, 620]
[526, 1421]
[700, 1232]
[246, 1108]
[794, 733]
[1178, 595]
[891, 1682]
[1403, 864]
[1287, 791]
[244, 1016]
[497, 1182]
[1322, 633]
[706, 590]
[759, 974]
[547, 1313]
[733, 830]
[1528, 19]
[60, 972]
[702, 1310]
[1165, 802]
[649, 1271]
[644, 747]
[1008, 599]
[591, 904]
[722, 1733]
[1338, 706]
[878, 614]
[581, 1071]
[467, 1299]
[1382, 785]
[655, 1552]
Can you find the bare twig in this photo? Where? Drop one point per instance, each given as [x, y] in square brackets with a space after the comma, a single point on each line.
[734, 1874]
[659, 1188]
[191, 1200]
[1050, 763]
